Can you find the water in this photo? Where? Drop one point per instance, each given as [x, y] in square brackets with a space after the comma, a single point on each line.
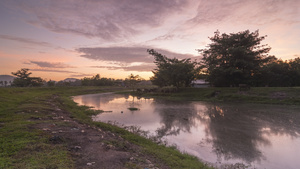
[258, 136]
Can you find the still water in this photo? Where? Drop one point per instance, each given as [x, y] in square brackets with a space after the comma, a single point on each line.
[258, 136]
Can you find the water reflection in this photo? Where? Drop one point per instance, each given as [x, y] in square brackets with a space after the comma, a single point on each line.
[234, 133]
[175, 117]
[225, 133]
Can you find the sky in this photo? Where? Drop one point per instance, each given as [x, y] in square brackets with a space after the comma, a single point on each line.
[58, 39]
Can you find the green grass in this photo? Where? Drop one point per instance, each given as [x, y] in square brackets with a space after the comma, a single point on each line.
[133, 108]
[22, 146]
[262, 95]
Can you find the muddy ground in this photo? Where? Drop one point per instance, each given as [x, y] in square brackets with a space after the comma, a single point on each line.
[91, 147]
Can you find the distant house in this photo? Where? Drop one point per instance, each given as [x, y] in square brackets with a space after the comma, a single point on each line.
[200, 83]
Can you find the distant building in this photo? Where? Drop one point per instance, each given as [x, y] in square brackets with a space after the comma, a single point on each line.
[200, 83]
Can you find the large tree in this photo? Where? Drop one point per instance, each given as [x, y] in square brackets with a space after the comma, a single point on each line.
[179, 73]
[23, 79]
[232, 59]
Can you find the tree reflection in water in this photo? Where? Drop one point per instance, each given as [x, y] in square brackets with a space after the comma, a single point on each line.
[176, 117]
[234, 131]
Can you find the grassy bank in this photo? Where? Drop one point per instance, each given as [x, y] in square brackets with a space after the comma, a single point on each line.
[261, 95]
[24, 146]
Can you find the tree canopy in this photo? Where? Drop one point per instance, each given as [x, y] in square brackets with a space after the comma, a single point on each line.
[97, 81]
[23, 79]
[175, 72]
[236, 58]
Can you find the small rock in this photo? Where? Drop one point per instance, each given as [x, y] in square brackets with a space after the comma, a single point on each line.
[60, 131]
[131, 158]
[77, 147]
[82, 131]
[148, 161]
[90, 164]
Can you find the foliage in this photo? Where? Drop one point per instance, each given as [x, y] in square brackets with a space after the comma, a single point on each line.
[279, 73]
[132, 81]
[179, 73]
[23, 79]
[51, 83]
[5, 83]
[98, 81]
[235, 58]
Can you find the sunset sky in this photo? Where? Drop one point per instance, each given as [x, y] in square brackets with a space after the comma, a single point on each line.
[58, 39]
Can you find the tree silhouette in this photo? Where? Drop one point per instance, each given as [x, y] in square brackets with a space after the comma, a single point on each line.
[23, 79]
[179, 73]
[232, 59]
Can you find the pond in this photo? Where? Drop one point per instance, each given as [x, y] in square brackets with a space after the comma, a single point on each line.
[254, 135]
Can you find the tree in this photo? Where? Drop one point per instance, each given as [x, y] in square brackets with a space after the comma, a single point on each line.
[23, 79]
[232, 59]
[179, 73]
[50, 83]
[133, 80]
[279, 74]
[97, 81]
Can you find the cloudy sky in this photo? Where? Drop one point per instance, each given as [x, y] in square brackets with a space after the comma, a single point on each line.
[57, 39]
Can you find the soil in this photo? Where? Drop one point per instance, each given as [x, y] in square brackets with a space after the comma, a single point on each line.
[91, 147]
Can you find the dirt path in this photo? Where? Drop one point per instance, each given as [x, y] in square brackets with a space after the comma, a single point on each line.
[92, 147]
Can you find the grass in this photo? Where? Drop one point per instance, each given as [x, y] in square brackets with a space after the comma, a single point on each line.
[261, 95]
[133, 108]
[23, 146]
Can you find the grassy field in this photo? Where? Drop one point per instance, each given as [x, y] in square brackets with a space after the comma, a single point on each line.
[22, 145]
